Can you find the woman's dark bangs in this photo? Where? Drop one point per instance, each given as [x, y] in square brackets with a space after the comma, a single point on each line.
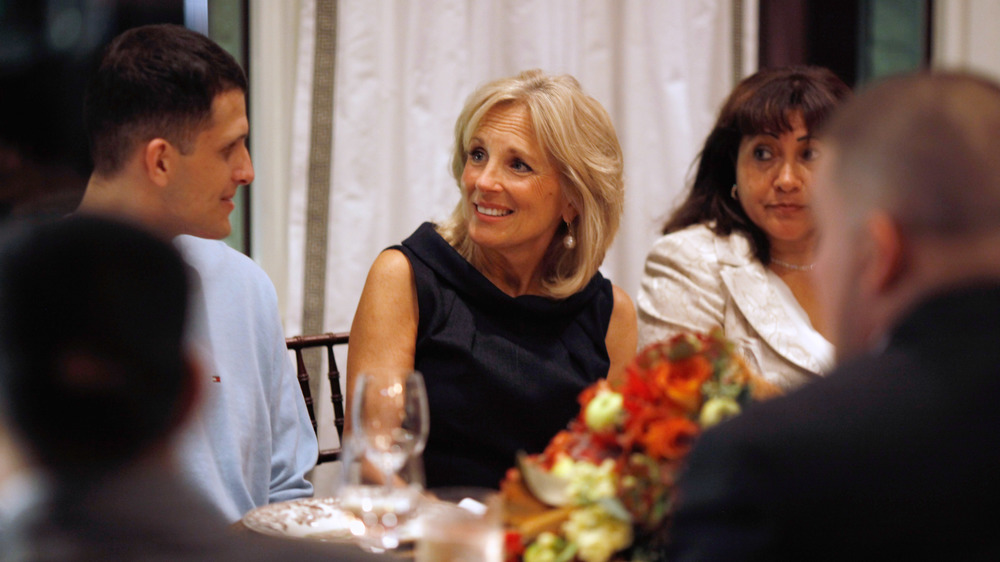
[764, 113]
[768, 109]
[816, 106]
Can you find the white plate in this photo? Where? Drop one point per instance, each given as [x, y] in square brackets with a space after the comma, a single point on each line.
[311, 518]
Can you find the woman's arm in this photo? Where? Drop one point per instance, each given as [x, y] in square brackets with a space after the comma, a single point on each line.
[622, 333]
[384, 331]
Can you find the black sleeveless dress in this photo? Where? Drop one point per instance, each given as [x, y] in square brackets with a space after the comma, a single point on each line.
[502, 373]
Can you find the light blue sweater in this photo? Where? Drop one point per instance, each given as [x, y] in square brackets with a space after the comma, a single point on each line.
[252, 442]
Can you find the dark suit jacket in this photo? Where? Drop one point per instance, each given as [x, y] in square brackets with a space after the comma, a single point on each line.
[894, 454]
[144, 513]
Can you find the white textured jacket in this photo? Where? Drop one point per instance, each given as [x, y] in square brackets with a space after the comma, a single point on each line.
[695, 280]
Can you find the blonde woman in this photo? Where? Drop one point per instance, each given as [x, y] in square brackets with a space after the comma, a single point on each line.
[502, 307]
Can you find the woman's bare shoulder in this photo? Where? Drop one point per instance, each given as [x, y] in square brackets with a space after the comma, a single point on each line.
[622, 337]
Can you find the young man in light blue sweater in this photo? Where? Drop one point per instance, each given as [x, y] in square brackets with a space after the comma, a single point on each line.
[167, 125]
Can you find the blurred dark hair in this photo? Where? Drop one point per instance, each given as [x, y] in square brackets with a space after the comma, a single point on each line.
[154, 81]
[760, 103]
[92, 361]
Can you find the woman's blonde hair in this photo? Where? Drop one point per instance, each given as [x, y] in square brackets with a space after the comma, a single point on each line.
[577, 133]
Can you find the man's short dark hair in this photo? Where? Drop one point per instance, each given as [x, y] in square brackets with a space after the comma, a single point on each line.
[92, 364]
[154, 81]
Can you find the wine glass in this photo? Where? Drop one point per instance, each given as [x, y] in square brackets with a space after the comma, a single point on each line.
[390, 416]
[383, 473]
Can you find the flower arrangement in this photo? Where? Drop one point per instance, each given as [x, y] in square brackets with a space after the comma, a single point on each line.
[601, 490]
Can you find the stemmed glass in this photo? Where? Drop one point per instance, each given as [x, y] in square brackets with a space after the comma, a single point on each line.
[383, 475]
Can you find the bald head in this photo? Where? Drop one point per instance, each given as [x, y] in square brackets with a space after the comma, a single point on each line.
[907, 200]
[924, 148]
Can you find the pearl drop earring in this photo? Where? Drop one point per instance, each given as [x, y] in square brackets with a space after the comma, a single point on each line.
[569, 241]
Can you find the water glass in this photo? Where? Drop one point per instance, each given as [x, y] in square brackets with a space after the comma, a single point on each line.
[382, 474]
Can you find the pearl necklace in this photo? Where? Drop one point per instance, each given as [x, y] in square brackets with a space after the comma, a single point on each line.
[792, 266]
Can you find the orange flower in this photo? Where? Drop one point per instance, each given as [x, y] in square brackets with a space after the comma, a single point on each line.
[636, 424]
[683, 384]
[636, 387]
[669, 438]
[659, 376]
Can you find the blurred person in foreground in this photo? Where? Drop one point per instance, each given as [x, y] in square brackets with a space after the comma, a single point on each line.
[166, 119]
[893, 455]
[738, 253]
[501, 307]
[95, 378]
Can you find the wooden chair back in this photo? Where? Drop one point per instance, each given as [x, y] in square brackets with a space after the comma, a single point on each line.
[298, 343]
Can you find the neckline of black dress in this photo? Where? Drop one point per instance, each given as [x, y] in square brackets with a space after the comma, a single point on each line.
[440, 256]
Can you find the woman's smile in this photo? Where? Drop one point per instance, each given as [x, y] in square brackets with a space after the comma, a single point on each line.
[491, 211]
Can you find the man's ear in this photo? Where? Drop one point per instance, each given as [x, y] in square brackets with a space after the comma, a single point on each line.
[886, 252]
[158, 159]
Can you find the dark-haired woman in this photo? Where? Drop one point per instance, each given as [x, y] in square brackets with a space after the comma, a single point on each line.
[738, 253]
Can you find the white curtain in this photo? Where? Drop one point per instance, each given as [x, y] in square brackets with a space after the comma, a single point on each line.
[403, 71]
[965, 36]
